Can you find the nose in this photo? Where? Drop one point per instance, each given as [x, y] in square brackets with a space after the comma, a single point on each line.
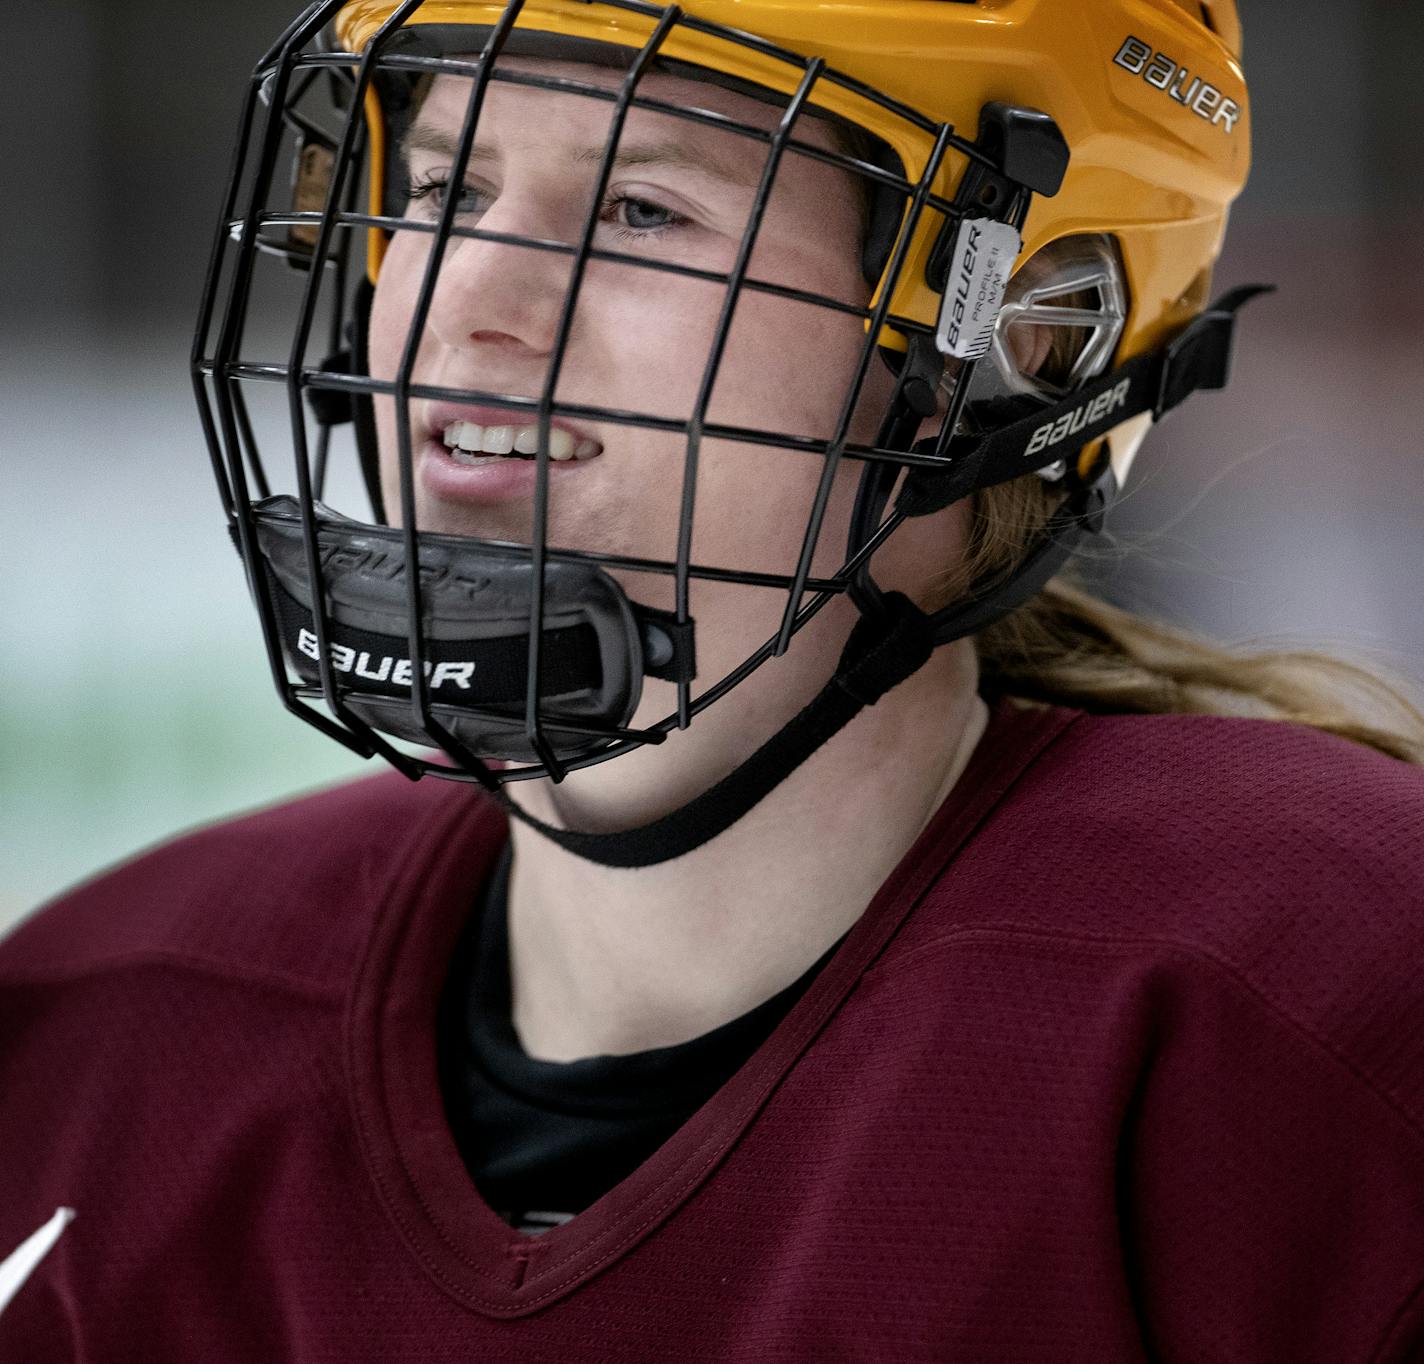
[502, 294]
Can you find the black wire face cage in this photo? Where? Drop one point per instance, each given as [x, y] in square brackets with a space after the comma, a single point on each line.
[520, 660]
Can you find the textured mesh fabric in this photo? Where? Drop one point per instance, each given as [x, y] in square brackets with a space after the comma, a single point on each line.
[1125, 1061]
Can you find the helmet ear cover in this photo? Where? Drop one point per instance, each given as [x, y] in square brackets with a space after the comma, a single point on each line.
[1029, 438]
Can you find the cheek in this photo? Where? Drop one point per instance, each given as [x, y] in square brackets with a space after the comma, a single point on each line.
[391, 308]
[755, 510]
[788, 367]
[924, 558]
[787, 370]
[386, 334]
[640, 341]
[790, 363]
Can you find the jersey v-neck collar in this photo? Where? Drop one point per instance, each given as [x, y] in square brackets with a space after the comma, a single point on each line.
[410, 1153]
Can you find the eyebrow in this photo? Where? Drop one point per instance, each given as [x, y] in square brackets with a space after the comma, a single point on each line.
[424, 138]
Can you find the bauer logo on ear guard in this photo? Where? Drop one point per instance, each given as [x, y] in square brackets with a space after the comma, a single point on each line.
[983, 260]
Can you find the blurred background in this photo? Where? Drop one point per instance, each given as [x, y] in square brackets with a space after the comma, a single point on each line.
[135, 697]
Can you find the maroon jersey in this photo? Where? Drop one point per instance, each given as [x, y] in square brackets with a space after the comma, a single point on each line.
[1124, 1062]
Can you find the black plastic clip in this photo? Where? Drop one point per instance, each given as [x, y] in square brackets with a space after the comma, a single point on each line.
[1028, 153]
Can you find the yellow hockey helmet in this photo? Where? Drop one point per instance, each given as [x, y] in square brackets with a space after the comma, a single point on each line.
[1107, 138]
[1149, 95]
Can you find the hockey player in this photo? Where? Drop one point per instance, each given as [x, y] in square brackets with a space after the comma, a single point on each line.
[816, 931]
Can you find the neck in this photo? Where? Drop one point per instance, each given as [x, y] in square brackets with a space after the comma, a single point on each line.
[610, 960]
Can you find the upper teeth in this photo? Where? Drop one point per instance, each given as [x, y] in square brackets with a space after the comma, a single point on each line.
[501, 440]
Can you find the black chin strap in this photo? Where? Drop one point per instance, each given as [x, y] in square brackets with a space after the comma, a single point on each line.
[880, 654]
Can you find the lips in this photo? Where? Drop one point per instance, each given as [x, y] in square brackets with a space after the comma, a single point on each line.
[474, 436]
[471, 454]
[469, 443]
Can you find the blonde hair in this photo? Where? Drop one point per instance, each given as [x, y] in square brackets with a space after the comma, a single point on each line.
[1068, 647]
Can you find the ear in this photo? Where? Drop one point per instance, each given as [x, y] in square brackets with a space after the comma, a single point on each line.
[1029, 347]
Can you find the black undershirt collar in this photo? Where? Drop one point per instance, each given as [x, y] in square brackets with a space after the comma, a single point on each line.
[557, 1135]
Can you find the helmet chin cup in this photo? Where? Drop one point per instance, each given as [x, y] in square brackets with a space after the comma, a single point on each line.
[475, 635]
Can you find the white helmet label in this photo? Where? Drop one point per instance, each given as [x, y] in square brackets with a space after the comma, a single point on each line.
[983, 260]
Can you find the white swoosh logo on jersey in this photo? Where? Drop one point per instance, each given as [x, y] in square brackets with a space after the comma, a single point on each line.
[20, 1264]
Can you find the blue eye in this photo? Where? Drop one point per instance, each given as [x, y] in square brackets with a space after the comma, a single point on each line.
[634, 218]
[641, 216]
[434, 190]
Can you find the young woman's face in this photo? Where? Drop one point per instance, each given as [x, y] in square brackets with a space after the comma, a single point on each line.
[640, 340]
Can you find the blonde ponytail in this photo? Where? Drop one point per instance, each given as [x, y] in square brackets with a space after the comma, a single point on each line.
[1068, 647]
